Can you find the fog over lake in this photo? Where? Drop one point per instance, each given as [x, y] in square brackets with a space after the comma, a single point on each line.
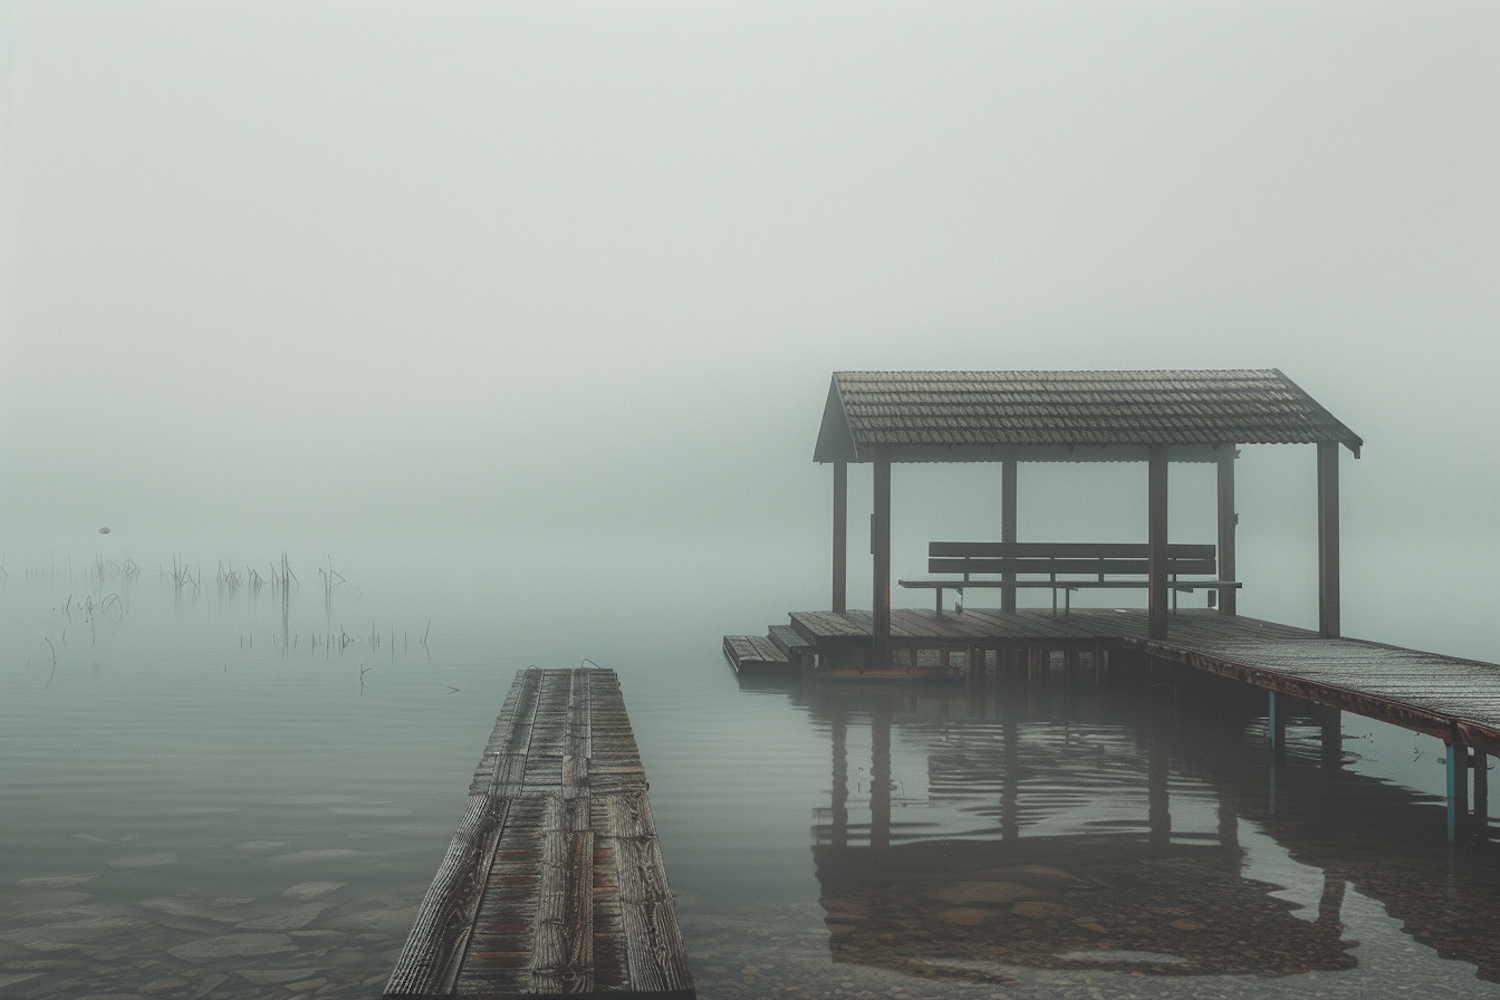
[520, 317]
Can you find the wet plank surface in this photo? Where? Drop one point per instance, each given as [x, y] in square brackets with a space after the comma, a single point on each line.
[752, 653]
[554, 883]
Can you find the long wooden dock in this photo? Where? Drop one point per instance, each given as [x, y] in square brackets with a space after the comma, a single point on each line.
[554, 883]
[1455, 699]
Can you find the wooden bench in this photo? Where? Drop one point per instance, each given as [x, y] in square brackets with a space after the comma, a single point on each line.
[1067, 566]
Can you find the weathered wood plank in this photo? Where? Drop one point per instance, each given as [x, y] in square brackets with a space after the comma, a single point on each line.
[531, 900]
[433, 953]
[648, 914]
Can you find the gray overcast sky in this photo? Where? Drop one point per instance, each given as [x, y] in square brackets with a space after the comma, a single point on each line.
[530, 264]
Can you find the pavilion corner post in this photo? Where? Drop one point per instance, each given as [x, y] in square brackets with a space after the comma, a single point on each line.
[840, 536]
[1228, 519]
[1008, 526]
[1328, 539]
[1156, 542]
[880, 548]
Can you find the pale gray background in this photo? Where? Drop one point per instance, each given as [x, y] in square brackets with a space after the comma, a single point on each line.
[584, 268]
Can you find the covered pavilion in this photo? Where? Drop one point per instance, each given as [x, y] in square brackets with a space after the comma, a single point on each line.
[1010, 417]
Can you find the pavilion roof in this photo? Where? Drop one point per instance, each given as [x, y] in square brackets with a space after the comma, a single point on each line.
[969, 416]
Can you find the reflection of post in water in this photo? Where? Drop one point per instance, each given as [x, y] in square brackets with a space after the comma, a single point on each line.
[1157, 797]
[840, 809]
[1331, 902]
[1276, 735]
[1229, 821]
[1010, 789]
[1332, 736]
[880, 776]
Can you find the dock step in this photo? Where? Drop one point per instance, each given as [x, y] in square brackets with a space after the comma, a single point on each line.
[789, 641]
[754, 654]
[554, 883]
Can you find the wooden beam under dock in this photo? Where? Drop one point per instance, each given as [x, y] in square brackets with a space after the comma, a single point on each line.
[554, 883]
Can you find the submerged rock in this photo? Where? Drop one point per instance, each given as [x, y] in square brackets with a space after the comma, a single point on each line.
[964, 893]
[232, 946]
[274, 977]
[40, 907]
[395, 923]
[257, 848]
[312, 890]
[307, 985]
[54, 881]
[168, 985]
[291, 919]
[67, 932]
[184, 908]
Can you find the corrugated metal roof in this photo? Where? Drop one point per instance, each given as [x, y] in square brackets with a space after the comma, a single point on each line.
[969, 416]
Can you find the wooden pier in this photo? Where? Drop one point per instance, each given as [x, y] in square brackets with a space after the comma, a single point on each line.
[554, 883]
[1454, 699]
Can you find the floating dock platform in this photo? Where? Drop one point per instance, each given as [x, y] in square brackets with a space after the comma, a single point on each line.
[554, 884]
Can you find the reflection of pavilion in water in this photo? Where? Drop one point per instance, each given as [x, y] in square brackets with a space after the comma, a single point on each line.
[1021, 888]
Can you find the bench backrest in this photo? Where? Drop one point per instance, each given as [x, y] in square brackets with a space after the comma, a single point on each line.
[1049, 558]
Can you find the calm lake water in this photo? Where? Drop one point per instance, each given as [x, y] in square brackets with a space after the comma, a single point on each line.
[208, 791]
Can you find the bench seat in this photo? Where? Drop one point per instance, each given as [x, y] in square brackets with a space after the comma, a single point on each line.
[1109, 566]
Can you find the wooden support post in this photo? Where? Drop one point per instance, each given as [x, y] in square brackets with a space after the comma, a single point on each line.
[840, 536]
[1008, 526]
[1461, 792]
[1156, 542]
[1328, 539]
[1481, 765]
[1454, 778]
[1276, 728]
[1228, 519]
[880, 548]
[1158, 801]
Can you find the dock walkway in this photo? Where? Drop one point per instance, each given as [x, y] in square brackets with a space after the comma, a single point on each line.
[554, 883]
[1455, 699]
